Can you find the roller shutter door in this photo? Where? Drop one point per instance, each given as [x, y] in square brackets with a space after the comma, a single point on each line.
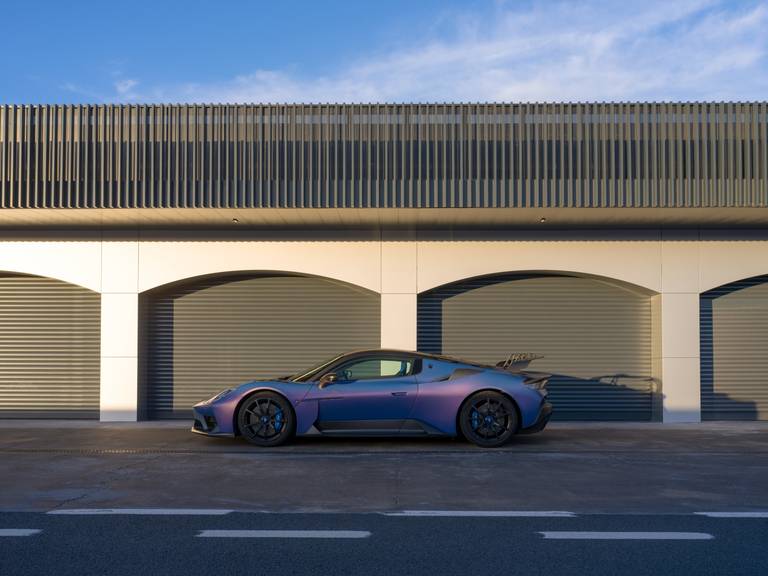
[217, 334]
[595, 337]
[49, 348]
[734, 351]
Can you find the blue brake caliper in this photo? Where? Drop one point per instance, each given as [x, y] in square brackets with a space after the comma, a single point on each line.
[278, 420]
[475, 419]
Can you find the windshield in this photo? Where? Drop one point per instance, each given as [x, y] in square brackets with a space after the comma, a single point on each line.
[308, 375]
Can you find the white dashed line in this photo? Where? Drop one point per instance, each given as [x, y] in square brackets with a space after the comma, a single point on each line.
[284, 534]
[484, 513]
[733, 514]
[19, 531]
[563, 535]
[141, 511]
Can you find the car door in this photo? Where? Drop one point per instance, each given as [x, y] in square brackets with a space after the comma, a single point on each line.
[371, 395]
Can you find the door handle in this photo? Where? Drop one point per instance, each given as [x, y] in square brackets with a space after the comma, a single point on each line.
[399, 393]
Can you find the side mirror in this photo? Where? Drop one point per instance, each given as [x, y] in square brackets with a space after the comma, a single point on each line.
[327, 379]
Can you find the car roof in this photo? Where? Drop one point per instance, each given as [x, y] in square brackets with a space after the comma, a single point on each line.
[428, 355]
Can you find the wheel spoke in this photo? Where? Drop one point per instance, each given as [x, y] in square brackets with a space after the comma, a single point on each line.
[256, 432]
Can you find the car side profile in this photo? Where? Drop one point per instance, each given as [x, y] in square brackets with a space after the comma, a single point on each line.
[384, 393]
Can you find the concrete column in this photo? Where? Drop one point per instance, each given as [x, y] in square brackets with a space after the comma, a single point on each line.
[119, 330]
[679, 323]
[398, 290]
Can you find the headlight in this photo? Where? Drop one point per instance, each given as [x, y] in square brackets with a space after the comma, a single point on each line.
[219, 396]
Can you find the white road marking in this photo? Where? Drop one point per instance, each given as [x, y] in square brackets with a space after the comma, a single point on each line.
[284, 534]
[19, 531]
[484, 513]
[565, 535]
[733, 514]
[141, 511]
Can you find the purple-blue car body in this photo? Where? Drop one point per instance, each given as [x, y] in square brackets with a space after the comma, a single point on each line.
[382, 393]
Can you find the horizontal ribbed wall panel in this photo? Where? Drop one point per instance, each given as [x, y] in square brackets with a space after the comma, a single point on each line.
[49, 349]
[595, 337]
[383, 156]
[734, 351]
[219, 333]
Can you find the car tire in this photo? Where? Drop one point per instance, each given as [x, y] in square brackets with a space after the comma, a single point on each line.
[488, 419]
[266, 419]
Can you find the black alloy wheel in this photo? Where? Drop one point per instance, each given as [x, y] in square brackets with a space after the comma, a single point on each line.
[488, 419]
[266, 419]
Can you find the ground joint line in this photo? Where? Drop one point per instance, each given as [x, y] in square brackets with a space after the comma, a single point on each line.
[345, 534]
[588, 535]
[755, 514]
[483, 513]
[19, 531]
[140, 511]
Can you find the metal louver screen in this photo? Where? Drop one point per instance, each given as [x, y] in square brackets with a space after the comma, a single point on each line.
[49, 348]
[221, 332]
[734, 351]
[595, 337]
[556, 155]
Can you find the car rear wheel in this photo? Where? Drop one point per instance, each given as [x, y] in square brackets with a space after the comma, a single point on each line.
[266, 419]
[488, 419]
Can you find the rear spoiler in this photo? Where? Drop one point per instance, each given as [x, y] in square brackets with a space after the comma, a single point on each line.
[517, 361]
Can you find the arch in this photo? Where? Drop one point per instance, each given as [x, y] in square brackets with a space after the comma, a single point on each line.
[353, 262]
[233, 275]
[618, 283]
[632, 262]
[71, 277]
[735, 281]
[75, 262]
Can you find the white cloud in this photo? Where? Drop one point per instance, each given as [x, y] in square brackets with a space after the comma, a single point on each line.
[125, 87]
[545, 51]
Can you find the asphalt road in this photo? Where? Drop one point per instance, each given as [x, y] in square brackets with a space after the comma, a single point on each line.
[582, 468]
[371, 544]
[616, 499]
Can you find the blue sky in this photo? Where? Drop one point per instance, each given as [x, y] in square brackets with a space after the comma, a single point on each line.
[394, 51]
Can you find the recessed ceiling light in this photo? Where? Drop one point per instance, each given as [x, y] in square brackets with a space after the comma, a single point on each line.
[235, 221]
[542, 220]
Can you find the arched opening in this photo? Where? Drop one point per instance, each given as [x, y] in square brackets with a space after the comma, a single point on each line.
[734, 350]
[206, 334]
[49, 348]
[595, 336]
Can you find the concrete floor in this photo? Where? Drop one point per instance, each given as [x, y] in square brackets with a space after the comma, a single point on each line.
[584, 468]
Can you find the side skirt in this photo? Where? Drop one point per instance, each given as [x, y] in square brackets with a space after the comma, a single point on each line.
[358, 428]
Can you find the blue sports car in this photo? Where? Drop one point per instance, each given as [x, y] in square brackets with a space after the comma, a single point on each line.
[385, 393]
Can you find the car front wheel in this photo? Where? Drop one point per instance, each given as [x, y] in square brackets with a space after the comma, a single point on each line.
[488, 419]
[266, 419]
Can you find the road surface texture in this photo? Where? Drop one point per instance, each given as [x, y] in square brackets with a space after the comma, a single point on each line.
[90, 498]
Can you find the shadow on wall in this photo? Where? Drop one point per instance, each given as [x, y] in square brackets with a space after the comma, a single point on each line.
[619, 397]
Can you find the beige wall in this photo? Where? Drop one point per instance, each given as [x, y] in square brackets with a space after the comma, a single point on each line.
[675, 265]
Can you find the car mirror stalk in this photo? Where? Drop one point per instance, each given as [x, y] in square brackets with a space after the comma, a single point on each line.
[327, 379]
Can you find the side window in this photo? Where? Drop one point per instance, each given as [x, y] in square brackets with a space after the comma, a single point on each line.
[374, 368]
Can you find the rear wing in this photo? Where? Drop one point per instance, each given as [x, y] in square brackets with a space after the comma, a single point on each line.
[518, 361]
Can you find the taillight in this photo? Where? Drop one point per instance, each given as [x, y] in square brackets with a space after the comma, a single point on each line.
[536, 382]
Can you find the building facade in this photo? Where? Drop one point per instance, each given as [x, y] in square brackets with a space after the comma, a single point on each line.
[153, 255]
